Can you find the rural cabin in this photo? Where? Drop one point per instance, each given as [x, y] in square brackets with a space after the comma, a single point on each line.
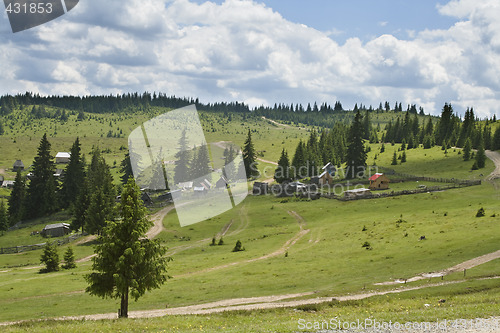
[18, 165]
[379, 181]
[62, 157]
[8, 183]
[221, 183]
[326, 177]
[357, 193]
[55, 230]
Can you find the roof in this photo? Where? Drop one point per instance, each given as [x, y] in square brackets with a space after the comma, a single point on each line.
[56, 226]
[328, 165]
[18, 163]
[357, 190]
[8, 182]
[63, 155]
[324, 173]
[186, 184]
[199, 189]
[375, 176]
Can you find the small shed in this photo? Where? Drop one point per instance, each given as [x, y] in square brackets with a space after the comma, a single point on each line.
[379, 181]
[357, 193]
[59, 173]
[8, 183]
[18, 165]
[56, 230]
[325, 179]
[260, 188]
[63, 157]
[185, 185]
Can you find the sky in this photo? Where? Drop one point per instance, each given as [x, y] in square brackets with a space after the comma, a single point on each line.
[263, 52]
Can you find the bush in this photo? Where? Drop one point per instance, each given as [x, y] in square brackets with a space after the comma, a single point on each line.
[221, 242]
[480, 212]
[367, 246]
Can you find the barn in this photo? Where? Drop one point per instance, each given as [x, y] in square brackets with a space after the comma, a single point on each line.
[56, 230]
[62, 157]
[379, 181]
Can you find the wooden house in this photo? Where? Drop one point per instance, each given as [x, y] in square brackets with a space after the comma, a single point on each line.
[18, 165]
[56, 230]
[379, 181]
[62, 157]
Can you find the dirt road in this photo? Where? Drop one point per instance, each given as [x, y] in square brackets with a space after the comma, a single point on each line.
[495, 157]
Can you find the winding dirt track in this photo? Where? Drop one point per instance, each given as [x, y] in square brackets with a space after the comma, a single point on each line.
[495, 157]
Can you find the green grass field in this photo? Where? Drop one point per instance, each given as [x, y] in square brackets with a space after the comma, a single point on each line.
[292, 246]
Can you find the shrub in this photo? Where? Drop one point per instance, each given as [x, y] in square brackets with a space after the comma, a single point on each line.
[367, 246]
[480, 212]
[221, 242]
[238, 247]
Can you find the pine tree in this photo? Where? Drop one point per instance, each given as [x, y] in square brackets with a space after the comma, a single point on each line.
[496, 140]
[282, 172]
[480, 156]
[299, 162]
[127, 263]
[200, 165]
[17, 199]
[394, 159]
[250, 157]
[181, 170]
[4, 217]
[41, 198]
[74, 176]
[126, 168]
[467, 149]
[69, 259]
[50, 258]
[2, 131]
[230, 167]
[101, 200]
[81, 206]
[403, 157]
[356, 153]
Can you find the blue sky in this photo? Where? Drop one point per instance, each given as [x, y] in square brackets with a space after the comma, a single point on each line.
[265, 52]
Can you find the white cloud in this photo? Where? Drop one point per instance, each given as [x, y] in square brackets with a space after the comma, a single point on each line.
[242, 49]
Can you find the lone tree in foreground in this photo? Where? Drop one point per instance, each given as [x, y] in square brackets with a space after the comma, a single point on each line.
[127, 262]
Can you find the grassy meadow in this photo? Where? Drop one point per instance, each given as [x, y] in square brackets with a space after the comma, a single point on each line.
[291, 245]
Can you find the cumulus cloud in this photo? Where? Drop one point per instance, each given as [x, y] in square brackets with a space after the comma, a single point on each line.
[243, 50]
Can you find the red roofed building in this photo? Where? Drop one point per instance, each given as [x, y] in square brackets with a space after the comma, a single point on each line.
[379, 181]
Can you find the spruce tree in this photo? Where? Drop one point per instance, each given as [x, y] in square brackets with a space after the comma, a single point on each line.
[126, 168]
[250, 157]
[1, 129]
[183, 156]
[394, 159]
[126, 262]
[282, 172]
[49, 258]
[17, 199]
[4, 217]
[299, 162]
[73, 177]
[41, 198]
[230, 167]
[467, 150]
[81, 206]
[480, 156]
[496, 140]
[102, 194]
[356, 153]
[69, 259]
[200, 165]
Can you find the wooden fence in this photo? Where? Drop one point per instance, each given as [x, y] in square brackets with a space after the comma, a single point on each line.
[24, 248]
